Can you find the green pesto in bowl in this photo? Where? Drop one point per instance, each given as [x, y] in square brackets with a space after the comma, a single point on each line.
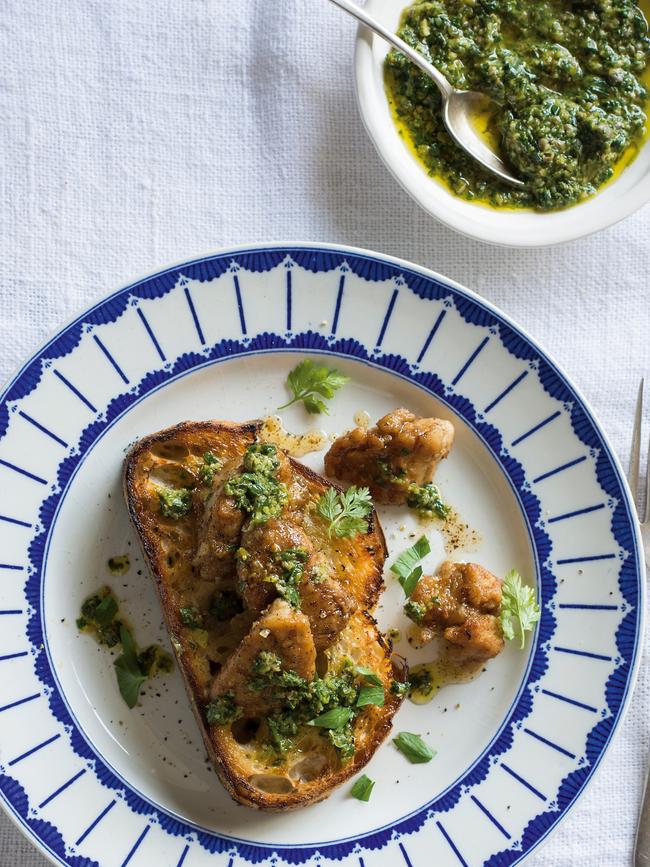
[569, 78]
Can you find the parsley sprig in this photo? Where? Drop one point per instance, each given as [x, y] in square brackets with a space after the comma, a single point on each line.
[346, 511]
[518, 604]
[309, 382]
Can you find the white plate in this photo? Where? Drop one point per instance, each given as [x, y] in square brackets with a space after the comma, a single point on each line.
[93, 783]
[509, 228]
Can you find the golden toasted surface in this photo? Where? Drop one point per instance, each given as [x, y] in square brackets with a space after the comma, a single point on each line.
[197, 570]
[314, 767]
[401, 449]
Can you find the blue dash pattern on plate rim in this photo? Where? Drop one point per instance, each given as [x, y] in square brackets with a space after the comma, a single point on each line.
[473, 311]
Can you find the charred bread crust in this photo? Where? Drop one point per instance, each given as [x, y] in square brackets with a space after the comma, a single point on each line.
[361, 635]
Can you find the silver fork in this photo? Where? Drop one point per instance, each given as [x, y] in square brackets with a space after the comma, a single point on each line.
[642, 847]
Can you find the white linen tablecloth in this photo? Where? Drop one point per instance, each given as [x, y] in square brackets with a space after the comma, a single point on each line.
[135, 134]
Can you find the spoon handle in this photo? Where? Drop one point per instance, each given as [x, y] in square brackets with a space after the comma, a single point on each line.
[413, 55]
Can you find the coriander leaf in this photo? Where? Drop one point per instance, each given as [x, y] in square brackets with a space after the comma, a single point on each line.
[336, 718]
[328, 506]
[371, 695]
[362, 789]
[518, 604]
[506, 624]
[106, 610]
[408, 560]
[411, 581]
[368, 675]
[346, 512]
[315, 405]
[308, 379]
[414, 748]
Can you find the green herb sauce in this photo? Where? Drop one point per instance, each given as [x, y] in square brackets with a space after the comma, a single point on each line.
[291, 568]
[257, 490]
[209, 468]
[426, 500]
[302, 703]
[119, 565]
[569, 77]
[175, 502]
[100, 617]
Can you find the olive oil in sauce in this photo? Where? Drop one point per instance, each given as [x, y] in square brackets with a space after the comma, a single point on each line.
[297, 445]
[428, 677]
[362, 419]
[571, 77]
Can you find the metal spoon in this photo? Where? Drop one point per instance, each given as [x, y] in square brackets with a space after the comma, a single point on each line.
[458, 106]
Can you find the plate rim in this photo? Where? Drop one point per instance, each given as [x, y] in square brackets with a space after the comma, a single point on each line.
[364, 253]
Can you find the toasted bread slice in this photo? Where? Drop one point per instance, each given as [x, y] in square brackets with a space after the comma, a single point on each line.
[209, 650]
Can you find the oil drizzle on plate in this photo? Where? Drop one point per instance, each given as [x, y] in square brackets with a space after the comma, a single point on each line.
[456, 533]
[296, 445]
[362, 419]
[428, 677]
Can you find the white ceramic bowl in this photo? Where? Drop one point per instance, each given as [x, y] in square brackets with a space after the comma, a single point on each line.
[512, 228]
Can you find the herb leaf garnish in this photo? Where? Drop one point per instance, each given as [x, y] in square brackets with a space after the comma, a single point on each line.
[362, 789]
[336, 718]
[411, 581]
[368, 675]
[414, 748]
[346, 511]
[106, 610]
[406, 568]
[371, 695]
[308, 380]
[129, 674]
[408, 560]
[518, 604]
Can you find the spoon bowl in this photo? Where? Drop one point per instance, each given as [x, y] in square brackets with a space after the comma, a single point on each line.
[462, 109]
[463, 112]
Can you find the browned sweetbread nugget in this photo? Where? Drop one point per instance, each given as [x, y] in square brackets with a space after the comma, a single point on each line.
[461, 603]
[401, 450]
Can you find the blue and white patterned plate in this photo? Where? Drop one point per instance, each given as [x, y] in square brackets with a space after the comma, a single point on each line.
[531, 473]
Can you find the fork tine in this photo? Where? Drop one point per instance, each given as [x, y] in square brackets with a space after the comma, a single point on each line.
[646, 517]
[635, 453]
